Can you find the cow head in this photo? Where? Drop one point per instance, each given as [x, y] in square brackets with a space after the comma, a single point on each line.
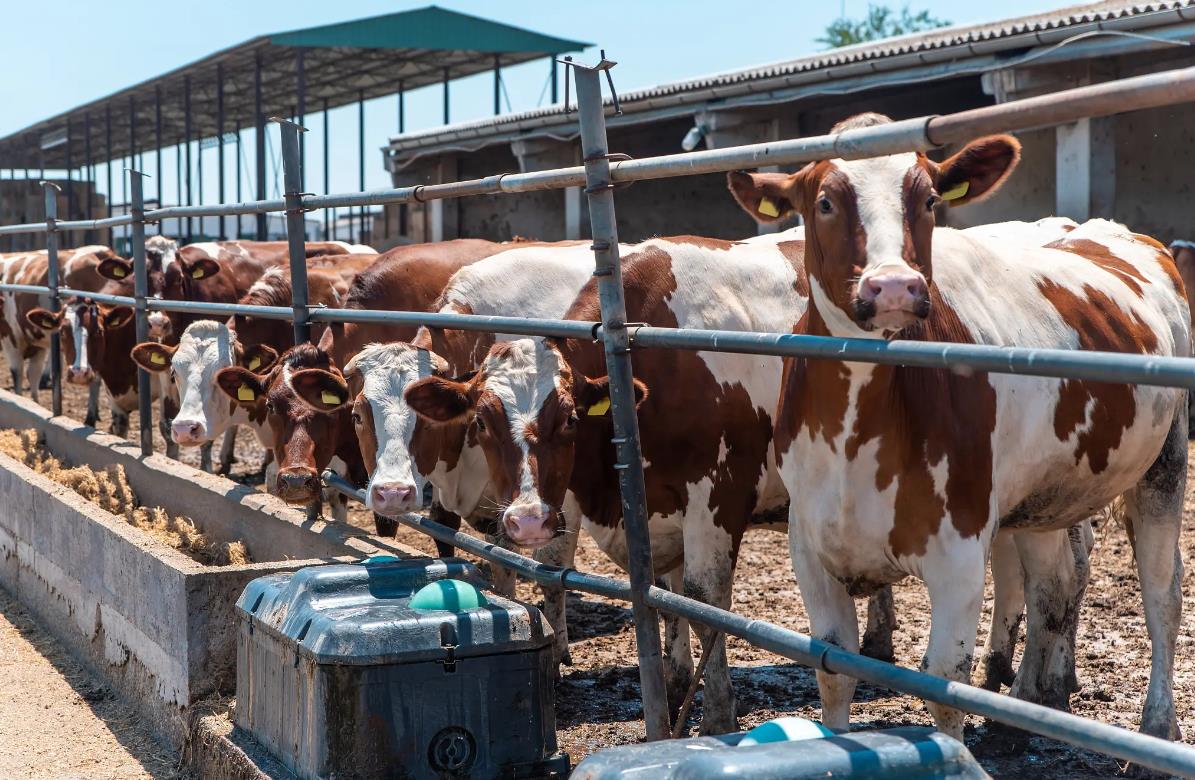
[526, 405]
[169, 273]
[83, 327]
[869, 224]
[303, 440]
[399, 450]
[204, 349]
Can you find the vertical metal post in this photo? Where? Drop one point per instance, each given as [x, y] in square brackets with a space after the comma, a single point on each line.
[616, 340]
[552, 74]
[301, 109]
[497, 84]
[259, 123]
[108, 165]
[360, 162]
[51, 192]
[140, 291]
[402, 107]
[88, 236]
[158, 146]
[220, 143]
[187, 144]
[239, 175]
[446, 77]
[132, 150]
[292, 175]
[329, 215]
[178, 185]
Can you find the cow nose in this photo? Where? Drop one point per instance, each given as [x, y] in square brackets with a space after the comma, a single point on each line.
[392, 497]
[893, 290]
[79, 376]
[298, 485]
[188, 432]
[529, 525]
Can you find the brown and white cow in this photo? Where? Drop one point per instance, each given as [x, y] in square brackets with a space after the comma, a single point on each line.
[1184, 258]
[540, 411]
[898, 471]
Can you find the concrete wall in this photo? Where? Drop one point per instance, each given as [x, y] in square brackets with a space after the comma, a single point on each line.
[1155, 171]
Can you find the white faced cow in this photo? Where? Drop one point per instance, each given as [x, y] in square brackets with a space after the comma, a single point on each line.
[900, 471]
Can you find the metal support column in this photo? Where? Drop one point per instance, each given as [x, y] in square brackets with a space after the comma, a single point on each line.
[301, 110]
[402, 108]
[446, 77]
[292, 175]
[51, 192]
[361, 163]
[329, 214]
[71, 212]
[259, 146]
[220, 145]
[158, 146]
[616, 340]
[132, 148]
[187, 143]
[239, 175]
[89, 192]
[497, 84]
[178, 186]
[140, 291]
[552, 75]
[108, 165]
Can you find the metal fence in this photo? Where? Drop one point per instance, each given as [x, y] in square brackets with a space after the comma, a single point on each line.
[598, 175]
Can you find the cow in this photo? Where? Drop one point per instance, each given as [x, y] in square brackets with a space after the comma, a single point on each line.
[1184, 258]
[25, 344]
[898, 471]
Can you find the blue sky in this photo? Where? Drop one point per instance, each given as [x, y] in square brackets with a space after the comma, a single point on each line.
[84, 50]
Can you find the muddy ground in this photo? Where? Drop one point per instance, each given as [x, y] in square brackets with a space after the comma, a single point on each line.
[598, 696]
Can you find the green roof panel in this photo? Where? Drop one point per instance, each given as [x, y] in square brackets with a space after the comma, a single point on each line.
[427, 28]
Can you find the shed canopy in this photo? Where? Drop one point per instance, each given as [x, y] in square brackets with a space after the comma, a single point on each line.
[342, 63]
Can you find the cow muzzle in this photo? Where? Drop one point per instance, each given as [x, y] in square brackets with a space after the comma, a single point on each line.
[392, 498]
[530, 525]
[79, 376]
[892, 297]
[297, 485]
[188, 433]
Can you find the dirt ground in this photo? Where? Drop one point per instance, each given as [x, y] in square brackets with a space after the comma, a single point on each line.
[598, 696]
[55, 722]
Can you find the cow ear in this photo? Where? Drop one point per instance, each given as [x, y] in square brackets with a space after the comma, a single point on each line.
[115, 268]
[118, 317]
[438, 399]
[241, 385]
[978, 169]
[259, 358]
[326, 341]
[44, 318]
[203, 268]
[592, 396]
[322, 390]
[767, 197]
[152, 356]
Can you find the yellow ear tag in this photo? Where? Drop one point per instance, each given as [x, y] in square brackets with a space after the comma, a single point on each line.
[157, 359]
[254, 363]
[768, 208]
[956, 192]
[331, 399]
[245, 393]
[119, 272]
[197, 273]
[600, 408]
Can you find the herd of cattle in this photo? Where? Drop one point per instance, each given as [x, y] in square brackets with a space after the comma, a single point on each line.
[883, 471]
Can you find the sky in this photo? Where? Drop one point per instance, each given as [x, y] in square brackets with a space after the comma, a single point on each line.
[88, 49]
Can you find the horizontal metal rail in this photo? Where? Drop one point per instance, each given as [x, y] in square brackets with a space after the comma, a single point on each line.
[98, 297]
[923, 133]
[1152, 752]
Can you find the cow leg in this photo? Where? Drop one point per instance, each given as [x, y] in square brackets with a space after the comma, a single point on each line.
[384, 526]
[1054, 585]
[831, 619]
[1153, 511]
[205, 457]
[678, 652]
[118, 424]
[561, 551]
[502, 578]
[93, 403]
[15, 370]
[440, 515]
[954, 578]
[1008, 580]
[168, 410]
[33, 371]
[708, 576]
[881, 622]
[227, 449]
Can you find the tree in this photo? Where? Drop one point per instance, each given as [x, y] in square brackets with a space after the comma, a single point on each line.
[880, 22]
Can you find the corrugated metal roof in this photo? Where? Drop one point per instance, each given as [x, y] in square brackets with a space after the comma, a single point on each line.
[1046, 28]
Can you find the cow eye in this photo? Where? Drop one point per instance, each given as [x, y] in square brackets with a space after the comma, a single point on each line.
[824, 205]
[932, 202]
[480, 424]
[570, 422]
[356, 419]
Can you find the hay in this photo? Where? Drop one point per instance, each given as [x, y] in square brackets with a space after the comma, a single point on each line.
[109, 489]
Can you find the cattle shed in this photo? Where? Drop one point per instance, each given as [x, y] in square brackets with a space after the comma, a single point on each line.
[1135, 167]
[216, 101]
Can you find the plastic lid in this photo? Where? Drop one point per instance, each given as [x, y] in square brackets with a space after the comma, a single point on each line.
[449, 596]
[787, 729]
[378, 559]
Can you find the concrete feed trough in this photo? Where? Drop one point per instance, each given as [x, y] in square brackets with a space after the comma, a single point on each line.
[156, 624]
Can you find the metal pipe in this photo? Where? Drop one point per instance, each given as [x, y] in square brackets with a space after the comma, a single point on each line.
[616, 342]
[259, 120]
[328, 218]
[178, 186]
[223, 233]
[361, 162]
[132, 150]
[221, 309]
[90, 192]
[497, 85]
[1171, 757]
[115, 300]
[470, 322]
[158, 146]
[70, 177]
[141, 313]
[187, 141]
[108, 165]
[51, 193]
[296, 238]
[446, 112]
[301, 111]
[402, 109]
[238, 167]
[552, 75]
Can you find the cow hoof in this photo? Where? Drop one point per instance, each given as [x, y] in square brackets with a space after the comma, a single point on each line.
[997, 672]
